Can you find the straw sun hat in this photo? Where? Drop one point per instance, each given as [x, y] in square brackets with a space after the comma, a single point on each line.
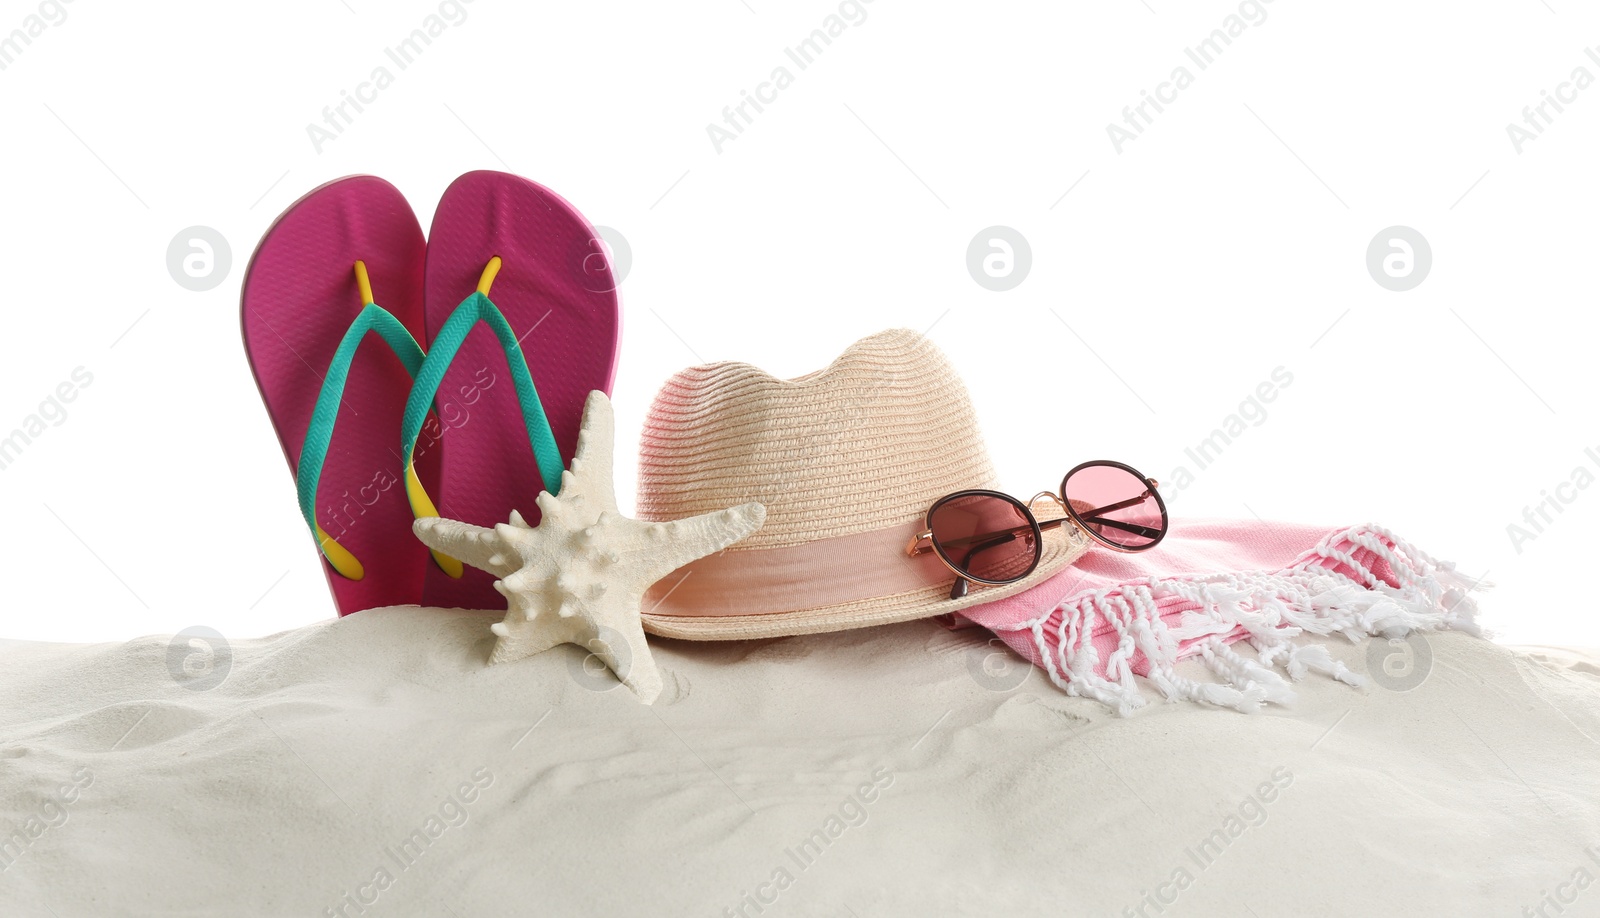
[847, 461]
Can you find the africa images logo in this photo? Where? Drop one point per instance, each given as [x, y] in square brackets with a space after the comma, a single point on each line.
[1137, 117]
[1537, 117]
[338, 116]
[805, 52]
[52, 412]
[34, 25]
[15, 840]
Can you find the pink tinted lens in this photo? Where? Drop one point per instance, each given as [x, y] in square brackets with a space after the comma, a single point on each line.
[1115, 505]
[985, 537]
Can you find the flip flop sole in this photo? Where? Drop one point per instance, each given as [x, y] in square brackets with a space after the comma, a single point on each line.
[555, 288]
[300, 296]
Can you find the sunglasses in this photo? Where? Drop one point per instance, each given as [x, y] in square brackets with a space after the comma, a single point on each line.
[993, 538]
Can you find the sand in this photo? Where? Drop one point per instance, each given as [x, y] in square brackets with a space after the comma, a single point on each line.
[376, 766]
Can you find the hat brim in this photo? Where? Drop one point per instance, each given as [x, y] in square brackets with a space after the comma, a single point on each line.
[1060, 547]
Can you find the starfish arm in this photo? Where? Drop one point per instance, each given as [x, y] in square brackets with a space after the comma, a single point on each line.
[593, 461]
[627, 653]
[612, 633]
[518, 637]
[482, 548]
[686, 540]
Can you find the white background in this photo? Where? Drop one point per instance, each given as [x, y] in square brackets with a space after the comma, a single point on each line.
[1227, 240]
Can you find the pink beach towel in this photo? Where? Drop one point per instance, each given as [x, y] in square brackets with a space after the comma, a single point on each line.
[1211, 583]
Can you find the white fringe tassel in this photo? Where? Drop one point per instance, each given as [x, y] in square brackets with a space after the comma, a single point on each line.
[1273, 608]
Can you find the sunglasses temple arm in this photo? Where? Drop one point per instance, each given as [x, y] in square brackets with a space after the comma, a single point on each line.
[1119, 505]
[994, 540]
[987, 539]
[1134, 528]
[1006, 535]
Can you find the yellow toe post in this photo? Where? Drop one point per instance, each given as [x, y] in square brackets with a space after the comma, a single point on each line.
[339, 556]
[422, 507]
[489, 271]
[364, 283]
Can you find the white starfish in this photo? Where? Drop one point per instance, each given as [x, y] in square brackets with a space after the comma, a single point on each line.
[579, 576]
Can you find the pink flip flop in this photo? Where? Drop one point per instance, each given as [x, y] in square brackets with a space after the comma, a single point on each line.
[335, 399]
[555, 291]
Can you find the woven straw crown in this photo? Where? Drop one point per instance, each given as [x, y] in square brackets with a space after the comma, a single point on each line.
[869, 442]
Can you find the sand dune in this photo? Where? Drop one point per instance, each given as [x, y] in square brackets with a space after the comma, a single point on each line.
[375, 766]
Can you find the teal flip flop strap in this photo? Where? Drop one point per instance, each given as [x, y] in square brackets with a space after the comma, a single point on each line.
[474, 309]
[319, 434]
